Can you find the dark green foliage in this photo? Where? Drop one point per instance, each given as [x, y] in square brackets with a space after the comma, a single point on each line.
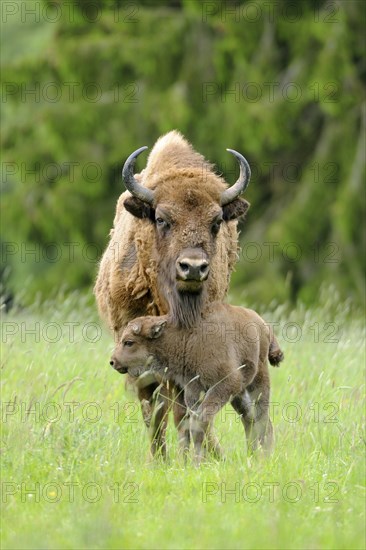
[281, 84]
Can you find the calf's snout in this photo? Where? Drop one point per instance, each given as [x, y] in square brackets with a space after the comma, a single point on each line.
[117, 366]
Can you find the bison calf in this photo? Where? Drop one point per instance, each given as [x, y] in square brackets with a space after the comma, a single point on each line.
[223, 358]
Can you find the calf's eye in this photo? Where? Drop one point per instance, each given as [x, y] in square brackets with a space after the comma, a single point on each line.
[128, 343]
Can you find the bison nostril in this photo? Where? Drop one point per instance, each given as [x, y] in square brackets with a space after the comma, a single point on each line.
[204, 268]
[111, 363]
[184, 267]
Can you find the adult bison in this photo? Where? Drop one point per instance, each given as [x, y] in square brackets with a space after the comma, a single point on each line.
[173, 246]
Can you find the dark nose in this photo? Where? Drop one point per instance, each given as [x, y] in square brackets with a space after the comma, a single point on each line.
[116, 365]
[192, 266]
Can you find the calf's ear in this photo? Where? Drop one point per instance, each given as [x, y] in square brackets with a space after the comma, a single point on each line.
[234, 210]
[139, 208]
[157, 329]
[136, 327]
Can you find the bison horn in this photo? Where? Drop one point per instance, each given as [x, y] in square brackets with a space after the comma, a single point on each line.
[241, 184]
[137, 190]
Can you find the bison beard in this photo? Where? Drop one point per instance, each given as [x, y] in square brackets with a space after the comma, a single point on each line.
[185, 304]
[186, 307]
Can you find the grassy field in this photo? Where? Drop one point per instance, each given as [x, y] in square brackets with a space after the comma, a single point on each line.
[76, 471]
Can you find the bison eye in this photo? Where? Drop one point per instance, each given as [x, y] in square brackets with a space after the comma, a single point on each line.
[161, 223]
[216, 227]
[128, 343]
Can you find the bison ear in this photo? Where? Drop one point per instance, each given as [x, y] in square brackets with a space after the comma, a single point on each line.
[157, 329]
[139, 209]
[235, 209]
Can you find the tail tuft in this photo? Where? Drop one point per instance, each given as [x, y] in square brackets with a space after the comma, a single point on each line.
[275, 354]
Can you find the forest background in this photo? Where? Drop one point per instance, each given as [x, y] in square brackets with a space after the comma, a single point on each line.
[85, 83]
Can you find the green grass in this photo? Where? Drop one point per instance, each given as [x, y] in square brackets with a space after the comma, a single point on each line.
[309, 494]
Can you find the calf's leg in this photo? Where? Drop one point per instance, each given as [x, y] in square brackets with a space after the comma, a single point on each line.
[202, 415]
[253, 407]
[212, 442]
[181, 421]
[155, 401]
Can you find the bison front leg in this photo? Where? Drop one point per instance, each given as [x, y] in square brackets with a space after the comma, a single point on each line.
[253, 408]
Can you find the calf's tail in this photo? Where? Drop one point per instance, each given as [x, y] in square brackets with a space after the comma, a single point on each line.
[275, 354]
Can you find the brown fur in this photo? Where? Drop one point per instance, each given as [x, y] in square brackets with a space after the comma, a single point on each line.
[225, 357]
[136, 274]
